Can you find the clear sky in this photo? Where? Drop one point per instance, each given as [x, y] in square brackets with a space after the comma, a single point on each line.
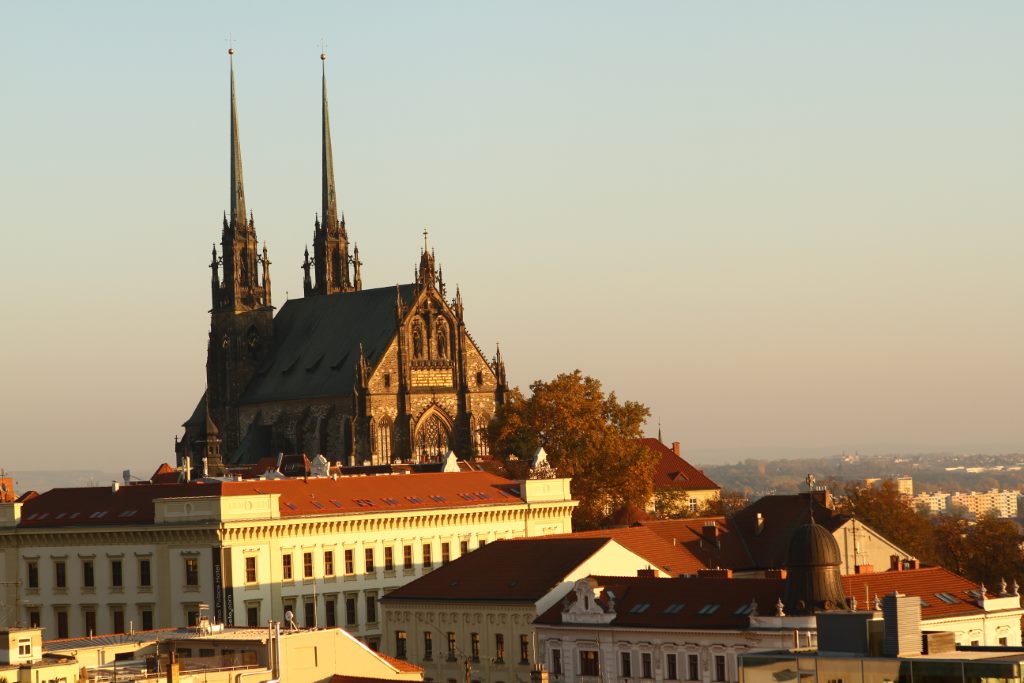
[787, 227]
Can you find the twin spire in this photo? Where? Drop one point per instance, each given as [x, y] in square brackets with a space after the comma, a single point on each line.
[330, 262]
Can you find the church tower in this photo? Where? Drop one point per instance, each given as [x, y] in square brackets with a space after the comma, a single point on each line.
[241, 324]
[331, 259]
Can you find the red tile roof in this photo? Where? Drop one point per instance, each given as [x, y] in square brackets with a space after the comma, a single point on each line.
[675, 473]
[744, 544]
[399, 664]
[523, 570]
[924, 583]
[165, 474]
[682, 603]
[134, 504]
[679, 603]
[673, 559]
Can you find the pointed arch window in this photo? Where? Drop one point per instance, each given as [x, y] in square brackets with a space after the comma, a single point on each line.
[383, 439]
[479, 427]
[432, 438]
[336, 267]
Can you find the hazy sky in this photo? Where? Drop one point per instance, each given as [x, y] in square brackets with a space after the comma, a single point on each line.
[787, 227]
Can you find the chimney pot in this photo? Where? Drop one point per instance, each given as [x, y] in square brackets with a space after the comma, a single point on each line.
[864, 569]
[894, 563]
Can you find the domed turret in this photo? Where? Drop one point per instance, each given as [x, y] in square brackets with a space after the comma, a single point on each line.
[812, 580]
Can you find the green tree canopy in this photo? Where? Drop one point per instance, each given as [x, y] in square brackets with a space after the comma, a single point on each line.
[588, 435]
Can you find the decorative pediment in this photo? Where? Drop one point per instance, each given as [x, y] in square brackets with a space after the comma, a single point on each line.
[582, 605]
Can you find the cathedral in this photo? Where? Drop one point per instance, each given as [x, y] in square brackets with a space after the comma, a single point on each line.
[361, 376]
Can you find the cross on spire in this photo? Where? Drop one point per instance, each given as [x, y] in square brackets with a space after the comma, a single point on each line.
[424, 239]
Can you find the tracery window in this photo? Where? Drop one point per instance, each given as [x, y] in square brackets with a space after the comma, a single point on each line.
[479, 427]
[384, 438]
[432, 439]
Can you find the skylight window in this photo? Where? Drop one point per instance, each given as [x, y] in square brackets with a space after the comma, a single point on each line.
[976, 594]
[127, 513]
[947, 598]
[390, 501]
[292, 506]
[414, 499]
[639, 608]
[924, 603]
[674, 608]
[318, 505]
[744, 610]
[336, 503]
[710, 608]
[364, 502]
[482, 496]
[439, 499]
[97, 515]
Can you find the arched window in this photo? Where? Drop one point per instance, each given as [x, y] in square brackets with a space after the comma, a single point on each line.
[479, 427]
[432, 439]
[336, 267]
[384, 426]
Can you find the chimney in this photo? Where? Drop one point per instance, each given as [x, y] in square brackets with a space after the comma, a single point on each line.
[913, 563]
[676, 448]
[759, 527]
[115, 486]
[711, 529]
[864, 569]
[902, 617]
[646, 573]
[894, 563]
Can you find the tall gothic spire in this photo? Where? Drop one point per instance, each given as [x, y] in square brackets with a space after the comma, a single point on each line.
[330, 240]
[238, 216]
[328, 200]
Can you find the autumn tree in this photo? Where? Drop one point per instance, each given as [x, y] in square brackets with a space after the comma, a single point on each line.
[993, 551]
[588, 436]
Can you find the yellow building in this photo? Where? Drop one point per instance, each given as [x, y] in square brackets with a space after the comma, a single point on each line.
[109, 560]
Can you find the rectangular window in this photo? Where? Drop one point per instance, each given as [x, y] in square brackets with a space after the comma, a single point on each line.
[389, 559]
[446, 553]
[371, 609]
[1003, 642]
[116, 575]
[692, 668]
[307, 565]
[286, 567]
[693, 504]
[427, 562]
[88, 574]
[24, 647]
[369, 560]
[499, 647]
[589, 663]
[33, 575]
[147, 620]
[250, 570]
[671, 672]
[328, 563]
[350, 561]
[33, 618]
[451, 646]
[524, 649]
[144, 575]
[62, 624]
[118, 619]
[428, 645]
[60, 578]
[350, 610]
[463, 548]
[625, 665]
[719, 667]
[400, 645]
[646, 669]
[191, 571]
[330, 612]
[90, 622]
[556, 662]
[309, 613]
[191, 616]
[407, 556]
[474, 646]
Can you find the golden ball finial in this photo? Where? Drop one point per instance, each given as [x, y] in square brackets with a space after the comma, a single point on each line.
[323, 56]
[231, 50]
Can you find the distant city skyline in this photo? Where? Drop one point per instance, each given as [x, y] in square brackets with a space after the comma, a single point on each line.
[786, 228]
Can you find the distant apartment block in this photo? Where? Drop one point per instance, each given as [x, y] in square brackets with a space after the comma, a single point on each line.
[1003, 503]
[904, 484]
